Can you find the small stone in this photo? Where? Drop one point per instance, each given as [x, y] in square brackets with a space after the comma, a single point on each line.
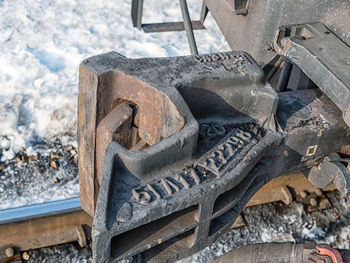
[2, 167]
[25, 256]
[303, 194]
[55, 156]
[68, 148]
[33, 158]
[318, 192]
[54, 164]
[313, 202]
[18, 158]
[56, 180]
[336, 215]
[24, 157]
[10, 252]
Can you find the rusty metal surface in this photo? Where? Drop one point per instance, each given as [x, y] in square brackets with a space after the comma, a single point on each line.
[279, 189]
[115, 126]
[183, 144]
[86, 139]
[45, 231]
[209, 77]
[42, 225]
[234, 135]
[156, 111]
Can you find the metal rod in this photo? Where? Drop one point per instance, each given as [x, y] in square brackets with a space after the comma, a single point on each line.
[136, 13]
[45, 224]
[284, 76]
[188, 27]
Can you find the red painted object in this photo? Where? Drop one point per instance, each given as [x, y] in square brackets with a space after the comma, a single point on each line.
[331, 252]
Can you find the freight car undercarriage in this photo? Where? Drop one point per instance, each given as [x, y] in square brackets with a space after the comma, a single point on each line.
[176, 147]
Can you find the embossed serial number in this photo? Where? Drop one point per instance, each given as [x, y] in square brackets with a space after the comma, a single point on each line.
[238, 58]
[230, 62]
[226, 151]
[212, 163]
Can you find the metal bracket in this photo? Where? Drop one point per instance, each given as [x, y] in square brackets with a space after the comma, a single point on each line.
[187, 24]
[332, 170]
[322, 56]
[238, 7]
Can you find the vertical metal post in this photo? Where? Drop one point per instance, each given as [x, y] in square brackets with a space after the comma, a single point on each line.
[136, 13]
[204, 12]
[188, 27]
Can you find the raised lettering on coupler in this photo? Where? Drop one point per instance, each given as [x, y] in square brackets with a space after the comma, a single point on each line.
[220, 157]
[213, 162]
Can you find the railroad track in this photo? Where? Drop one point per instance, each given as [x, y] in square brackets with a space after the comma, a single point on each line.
[42, 225]
[64, 221]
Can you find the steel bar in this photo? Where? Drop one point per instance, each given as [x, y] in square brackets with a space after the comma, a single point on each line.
[43, 225]
[25, 213]
[136, 17]
[170, 26]
[188, 27]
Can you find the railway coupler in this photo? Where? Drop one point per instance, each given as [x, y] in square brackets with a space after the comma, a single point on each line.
[171, 149]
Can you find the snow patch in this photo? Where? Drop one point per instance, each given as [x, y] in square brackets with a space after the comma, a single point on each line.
[54, 62]
[55, 115]
[313, 233]
[43, 43]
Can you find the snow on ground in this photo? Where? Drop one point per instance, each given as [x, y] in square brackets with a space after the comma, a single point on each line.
[41, 46]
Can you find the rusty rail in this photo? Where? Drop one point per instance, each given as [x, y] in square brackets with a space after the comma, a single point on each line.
[43, 225]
